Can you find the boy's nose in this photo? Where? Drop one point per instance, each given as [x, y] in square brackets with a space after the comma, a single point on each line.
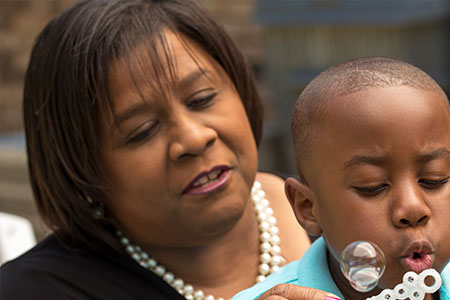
[190, 137]
[409, 208]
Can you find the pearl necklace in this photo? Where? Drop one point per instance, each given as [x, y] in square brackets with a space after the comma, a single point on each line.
[269, 258]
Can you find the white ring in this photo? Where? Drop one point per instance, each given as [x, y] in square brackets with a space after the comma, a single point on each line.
[437, 281]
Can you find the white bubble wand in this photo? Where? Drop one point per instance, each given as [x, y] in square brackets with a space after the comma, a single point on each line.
[363, 264]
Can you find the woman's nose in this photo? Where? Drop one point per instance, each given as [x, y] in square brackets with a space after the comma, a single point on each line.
[190, 137]
[409, 208]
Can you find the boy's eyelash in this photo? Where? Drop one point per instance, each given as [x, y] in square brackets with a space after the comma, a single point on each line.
[374, 190]
[371, 191]
[433, 183]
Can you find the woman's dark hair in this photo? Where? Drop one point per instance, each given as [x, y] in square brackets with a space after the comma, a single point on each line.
[66, 91]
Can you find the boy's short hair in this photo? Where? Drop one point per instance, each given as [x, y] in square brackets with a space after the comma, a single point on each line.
[343, 79]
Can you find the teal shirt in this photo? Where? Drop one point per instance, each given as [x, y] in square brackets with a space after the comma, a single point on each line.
[312, 271]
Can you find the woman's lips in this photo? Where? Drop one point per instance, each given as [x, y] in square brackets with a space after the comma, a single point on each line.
[207, 182]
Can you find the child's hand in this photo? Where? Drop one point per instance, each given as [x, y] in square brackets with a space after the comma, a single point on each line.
[295, 292]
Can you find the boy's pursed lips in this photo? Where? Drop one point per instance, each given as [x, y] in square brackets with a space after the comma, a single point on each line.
[418, 256]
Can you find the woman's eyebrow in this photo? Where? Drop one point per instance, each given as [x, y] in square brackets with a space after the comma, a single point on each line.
[193, 77]
[186, 81]
[131, 111]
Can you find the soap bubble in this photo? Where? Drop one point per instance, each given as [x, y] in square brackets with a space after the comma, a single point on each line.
[363, 264]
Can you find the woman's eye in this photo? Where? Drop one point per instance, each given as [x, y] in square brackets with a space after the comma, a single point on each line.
[201, 102]
[371, 190]
[433, 184]
[141, 134]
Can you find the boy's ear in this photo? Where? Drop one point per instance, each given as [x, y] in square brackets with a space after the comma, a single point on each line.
[300, 198]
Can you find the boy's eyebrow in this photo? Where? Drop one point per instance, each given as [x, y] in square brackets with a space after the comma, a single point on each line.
[439, 153]
[378, 160]
[363, 159]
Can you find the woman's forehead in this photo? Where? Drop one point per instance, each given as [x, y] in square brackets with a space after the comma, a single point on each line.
[176, 60]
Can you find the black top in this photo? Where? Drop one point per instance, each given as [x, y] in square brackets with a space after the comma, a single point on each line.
[50, 271]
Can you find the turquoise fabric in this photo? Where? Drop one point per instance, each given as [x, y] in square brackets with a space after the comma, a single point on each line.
[314, 264]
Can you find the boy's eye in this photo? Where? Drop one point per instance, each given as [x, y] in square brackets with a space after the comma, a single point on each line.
[142, 133]
[433, 184]
[201, 101]
[371, 190]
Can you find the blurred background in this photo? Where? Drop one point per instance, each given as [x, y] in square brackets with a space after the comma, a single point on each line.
[287, 41]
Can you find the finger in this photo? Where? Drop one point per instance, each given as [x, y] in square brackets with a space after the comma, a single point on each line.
[295, 292]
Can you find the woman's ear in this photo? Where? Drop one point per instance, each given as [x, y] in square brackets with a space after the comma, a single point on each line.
[302, 203]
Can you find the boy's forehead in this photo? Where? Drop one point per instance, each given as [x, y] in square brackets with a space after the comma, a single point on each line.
[377, 123]
[373, 113]
[393, 99]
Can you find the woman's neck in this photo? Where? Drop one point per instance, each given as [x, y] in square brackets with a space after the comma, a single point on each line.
[222, 267]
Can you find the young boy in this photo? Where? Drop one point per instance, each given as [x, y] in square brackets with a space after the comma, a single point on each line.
[372, 145]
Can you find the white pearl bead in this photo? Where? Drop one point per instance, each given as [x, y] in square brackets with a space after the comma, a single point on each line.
[268, 211]
[125, 241]
[264, 269]
[130, 249]
[209, 297]
[265, 237]
[275, 269]
[272, 220]
[136, 256]
[198, 294]
[275, 250]
[264, 226]
[152, 263]
[259, 208]
[255, 198]
[169, 277]
[275, 260]
[260, 278]
[144, 256]
[265, 247]
[261, 193]
[143, 264]
[257, 185]
[265, 202]
[262, 216]
[188, 289]
[178, 283]
[274, 239]
[160, 270]
[274, 230]
[189, 297]
[265, 258]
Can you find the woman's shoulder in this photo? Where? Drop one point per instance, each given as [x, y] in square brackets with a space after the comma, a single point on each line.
[52, 271]
[271, 183]
[25, 277]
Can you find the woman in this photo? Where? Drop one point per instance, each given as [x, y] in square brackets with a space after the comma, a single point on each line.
[142, 122]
